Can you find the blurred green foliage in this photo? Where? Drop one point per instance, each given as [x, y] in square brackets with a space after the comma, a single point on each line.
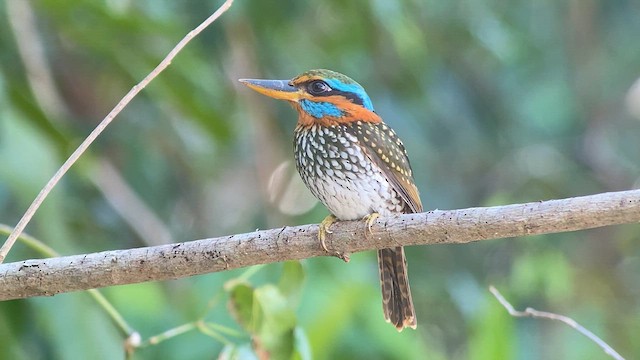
[497, 102]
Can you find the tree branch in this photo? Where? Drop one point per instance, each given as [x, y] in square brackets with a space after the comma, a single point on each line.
[70, 273]
[42, 195]
[530, 312]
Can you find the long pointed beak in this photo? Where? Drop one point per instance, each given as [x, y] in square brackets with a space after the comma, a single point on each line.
[277, 89]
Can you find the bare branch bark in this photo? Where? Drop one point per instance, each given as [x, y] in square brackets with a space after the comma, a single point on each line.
[70, 273]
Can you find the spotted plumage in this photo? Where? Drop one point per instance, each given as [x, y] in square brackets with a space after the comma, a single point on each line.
[354, 164]
[336, 164]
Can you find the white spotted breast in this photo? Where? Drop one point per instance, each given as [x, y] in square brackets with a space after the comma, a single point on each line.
[338, 166]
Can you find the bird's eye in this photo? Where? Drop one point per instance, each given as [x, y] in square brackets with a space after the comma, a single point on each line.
[318, 87]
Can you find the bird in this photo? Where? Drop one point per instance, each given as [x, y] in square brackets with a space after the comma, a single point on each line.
[355, 164]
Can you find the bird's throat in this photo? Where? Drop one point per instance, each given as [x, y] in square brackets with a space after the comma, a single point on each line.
[328, 113]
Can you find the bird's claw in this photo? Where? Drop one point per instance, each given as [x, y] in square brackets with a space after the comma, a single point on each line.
[370, 220]
[323, 230]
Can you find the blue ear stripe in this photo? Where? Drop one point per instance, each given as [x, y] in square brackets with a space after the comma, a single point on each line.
[351, 90]
[320, 109]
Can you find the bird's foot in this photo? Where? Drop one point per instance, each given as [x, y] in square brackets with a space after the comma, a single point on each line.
[323, 230]
[370, 220]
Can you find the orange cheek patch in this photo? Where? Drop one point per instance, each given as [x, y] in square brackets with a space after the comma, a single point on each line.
[352, 113]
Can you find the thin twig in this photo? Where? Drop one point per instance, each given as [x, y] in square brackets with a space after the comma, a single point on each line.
[102, 126]
[125, 201]
[102, 301]
[69, 273]
[533, 313]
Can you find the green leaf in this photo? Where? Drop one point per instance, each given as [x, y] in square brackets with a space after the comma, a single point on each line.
[291, 281]
[241, 352]
[302, 347]
[244, 308]
[276, 333]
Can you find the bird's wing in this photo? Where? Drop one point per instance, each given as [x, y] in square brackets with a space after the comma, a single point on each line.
[385, 149]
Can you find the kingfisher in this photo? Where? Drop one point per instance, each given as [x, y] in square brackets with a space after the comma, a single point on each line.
[355, 164]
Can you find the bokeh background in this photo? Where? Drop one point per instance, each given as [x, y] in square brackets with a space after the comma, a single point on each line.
[497, 102]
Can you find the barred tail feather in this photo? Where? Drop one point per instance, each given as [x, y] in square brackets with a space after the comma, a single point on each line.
[396, 294]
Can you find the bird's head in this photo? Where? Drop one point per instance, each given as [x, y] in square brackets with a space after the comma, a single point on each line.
[322, 97]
